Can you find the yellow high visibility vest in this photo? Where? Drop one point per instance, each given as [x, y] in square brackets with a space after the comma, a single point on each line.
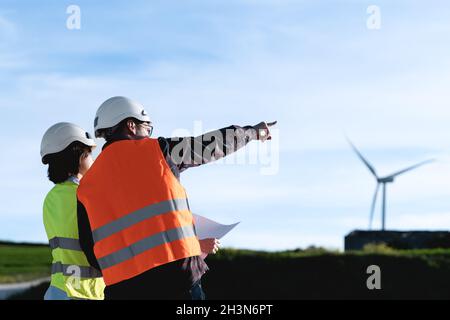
[71, 271]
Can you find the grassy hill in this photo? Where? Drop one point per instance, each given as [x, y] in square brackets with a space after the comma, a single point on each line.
[22, 262]
[319, 274]
[300, 274]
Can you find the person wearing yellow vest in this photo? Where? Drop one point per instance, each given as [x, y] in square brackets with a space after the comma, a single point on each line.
[66, 148]
[135, 222]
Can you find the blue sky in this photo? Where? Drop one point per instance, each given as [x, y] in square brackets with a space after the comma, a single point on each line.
[313, 66]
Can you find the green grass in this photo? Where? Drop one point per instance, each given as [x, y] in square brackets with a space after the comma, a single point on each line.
[312, 273]
[230, 254]
[23, 263]
[434, 258]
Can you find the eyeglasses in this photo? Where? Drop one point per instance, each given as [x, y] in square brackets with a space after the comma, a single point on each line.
[147, 126]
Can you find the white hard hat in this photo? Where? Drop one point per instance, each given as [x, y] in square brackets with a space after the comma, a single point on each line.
[117, 109]
[61, 135]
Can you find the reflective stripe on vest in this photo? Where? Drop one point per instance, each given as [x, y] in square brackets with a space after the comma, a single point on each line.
[139, 216]
[65, 243]
[72, 270]
[146, 244]
[61, 226]
[137, 209]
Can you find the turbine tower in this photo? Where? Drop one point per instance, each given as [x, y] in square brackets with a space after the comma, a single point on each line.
[382, 181]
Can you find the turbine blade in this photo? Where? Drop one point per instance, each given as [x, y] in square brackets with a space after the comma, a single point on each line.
[372, 209]
[411, 168]
[367, 163]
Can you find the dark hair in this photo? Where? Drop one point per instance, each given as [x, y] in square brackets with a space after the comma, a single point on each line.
[66, 163]
[119, 131]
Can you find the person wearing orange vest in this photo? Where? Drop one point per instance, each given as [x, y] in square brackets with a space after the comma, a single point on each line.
[134, 218]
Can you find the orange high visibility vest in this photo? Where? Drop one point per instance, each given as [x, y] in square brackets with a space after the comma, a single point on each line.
[138, 211]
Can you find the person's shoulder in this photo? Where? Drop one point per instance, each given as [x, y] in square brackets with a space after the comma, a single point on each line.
[151, 141]
[60, 189]
[51, 194]
[163, 145]
[162, 141]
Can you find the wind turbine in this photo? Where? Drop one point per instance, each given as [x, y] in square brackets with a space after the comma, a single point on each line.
[382, 181]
